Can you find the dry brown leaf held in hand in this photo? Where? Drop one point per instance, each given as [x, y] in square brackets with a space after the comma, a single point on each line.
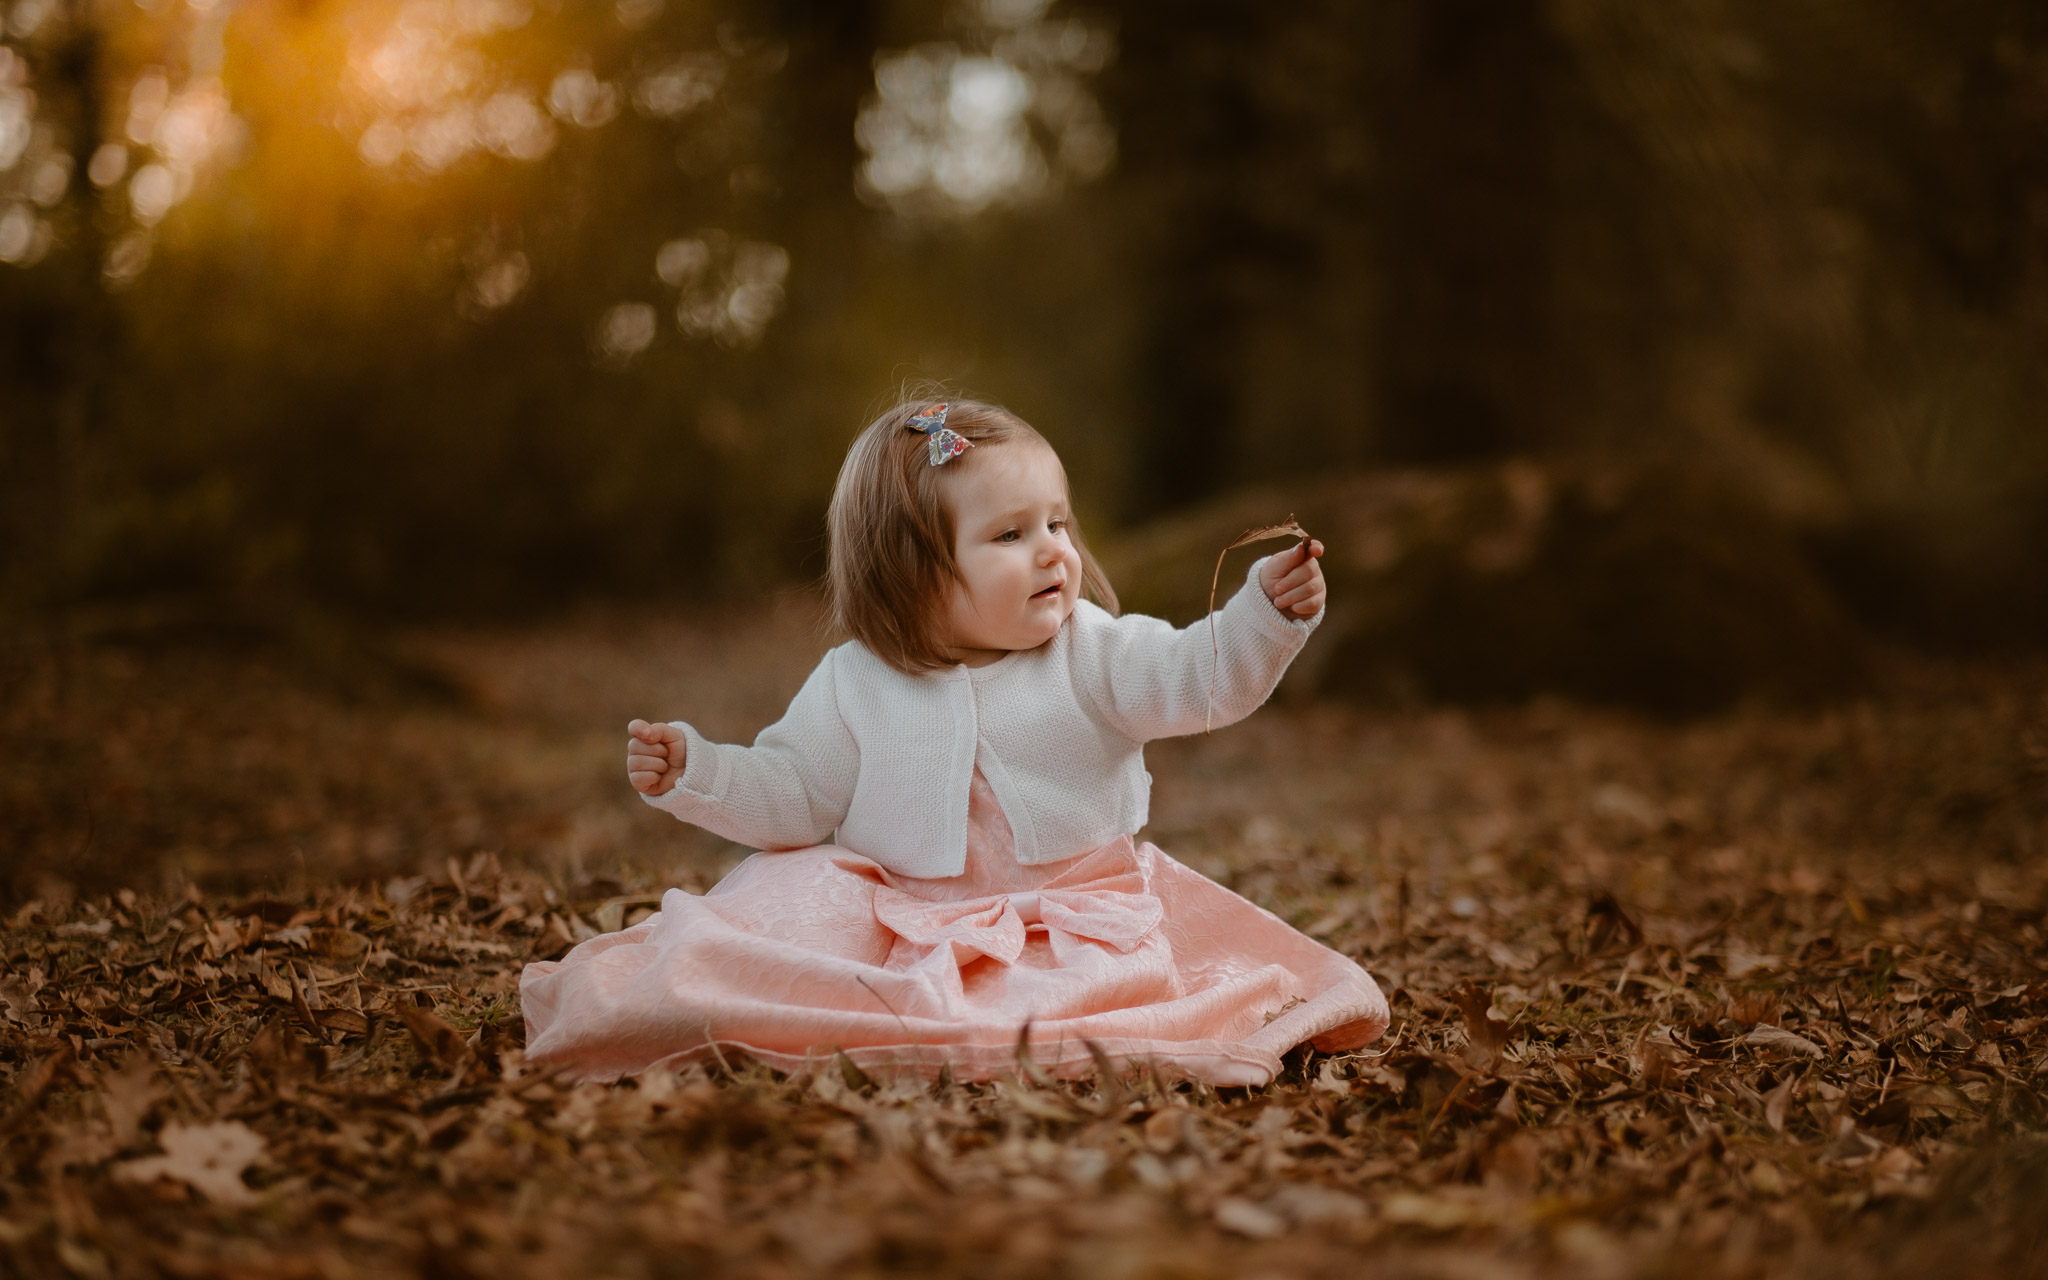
[209, 1158]
[1285, 529]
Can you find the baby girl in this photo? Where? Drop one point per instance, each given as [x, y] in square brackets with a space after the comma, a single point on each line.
[948, 813]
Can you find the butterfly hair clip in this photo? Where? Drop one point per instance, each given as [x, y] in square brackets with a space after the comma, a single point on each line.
[943, 444]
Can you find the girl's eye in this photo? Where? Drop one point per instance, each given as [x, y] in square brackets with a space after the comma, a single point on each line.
[1057, 526]
[1008, 535]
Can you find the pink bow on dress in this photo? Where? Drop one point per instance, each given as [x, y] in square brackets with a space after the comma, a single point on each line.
[997, 926]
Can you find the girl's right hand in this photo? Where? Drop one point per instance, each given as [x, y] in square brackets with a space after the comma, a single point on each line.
[655, 756]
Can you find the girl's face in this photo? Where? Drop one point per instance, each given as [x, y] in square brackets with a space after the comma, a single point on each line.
[1021, 575]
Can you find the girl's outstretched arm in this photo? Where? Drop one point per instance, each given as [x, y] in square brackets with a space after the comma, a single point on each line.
[789, 790]
[1148, 679]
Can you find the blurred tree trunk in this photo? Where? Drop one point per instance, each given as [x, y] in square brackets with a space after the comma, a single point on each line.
[62, 343]
[1464, 121]
[1244, 181]
[1183, 71]
[817, 217]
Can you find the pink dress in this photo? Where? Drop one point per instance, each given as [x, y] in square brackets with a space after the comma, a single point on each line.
[797, 956]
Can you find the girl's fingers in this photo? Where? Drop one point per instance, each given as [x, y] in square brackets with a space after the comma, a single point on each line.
[1307, 575]
[651, 756]
[656, 744]
[1308, 591]
[1306, 606]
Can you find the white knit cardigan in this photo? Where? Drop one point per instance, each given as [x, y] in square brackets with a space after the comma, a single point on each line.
[886, 759]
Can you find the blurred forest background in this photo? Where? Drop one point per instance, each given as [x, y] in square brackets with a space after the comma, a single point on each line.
[396, 396]
[1643, 330]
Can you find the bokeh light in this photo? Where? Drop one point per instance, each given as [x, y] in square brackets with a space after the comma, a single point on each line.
[675, 90]
[34, 172]
[433, 93]
[17, 109]
[626, 330]
[28, 17]
[580, 98]
[727, 290]
[177, 135]
[499, 280]
[954, 132]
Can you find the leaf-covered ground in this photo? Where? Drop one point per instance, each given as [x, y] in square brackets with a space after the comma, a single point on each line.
[1757, 996]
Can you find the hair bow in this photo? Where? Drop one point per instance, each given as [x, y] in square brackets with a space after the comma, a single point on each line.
[943, 443]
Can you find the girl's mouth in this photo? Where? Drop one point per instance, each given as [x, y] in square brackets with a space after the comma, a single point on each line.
[1049, 592]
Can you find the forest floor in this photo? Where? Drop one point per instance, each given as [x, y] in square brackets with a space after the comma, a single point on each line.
[1757, 995]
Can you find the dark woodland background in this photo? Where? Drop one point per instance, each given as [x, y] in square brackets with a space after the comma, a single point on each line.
[396, 396]
[1652, 354]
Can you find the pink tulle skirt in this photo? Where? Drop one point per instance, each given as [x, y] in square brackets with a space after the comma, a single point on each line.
[798, 956]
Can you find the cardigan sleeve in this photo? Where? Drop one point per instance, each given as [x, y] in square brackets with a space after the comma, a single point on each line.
[789, 790]
[1149, 680]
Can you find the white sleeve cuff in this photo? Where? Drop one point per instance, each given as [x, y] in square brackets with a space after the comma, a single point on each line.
[705, 771]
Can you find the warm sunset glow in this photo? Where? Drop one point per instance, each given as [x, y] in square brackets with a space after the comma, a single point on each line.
[435, 96]
[349, 128]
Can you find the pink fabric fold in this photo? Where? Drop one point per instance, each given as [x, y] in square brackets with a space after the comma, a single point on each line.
[798, 955]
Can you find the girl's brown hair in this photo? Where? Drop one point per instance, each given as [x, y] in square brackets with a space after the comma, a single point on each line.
[891, 536]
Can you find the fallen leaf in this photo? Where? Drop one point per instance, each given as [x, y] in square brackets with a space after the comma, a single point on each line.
[1165, 1130]
[440, 1042]
[339, 944]
[1850, 1143]
[1776, 1101]
[1437, 1213]
[32, 1084]
[1305, 1204]
[128, 1094]
[1486, 1030]
[209, 1158]
[1248, 1219]
[1779, 1040]
[16, 1000]
[1609, 928]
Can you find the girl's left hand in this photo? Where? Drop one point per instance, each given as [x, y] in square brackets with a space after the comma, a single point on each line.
[1293, 580]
